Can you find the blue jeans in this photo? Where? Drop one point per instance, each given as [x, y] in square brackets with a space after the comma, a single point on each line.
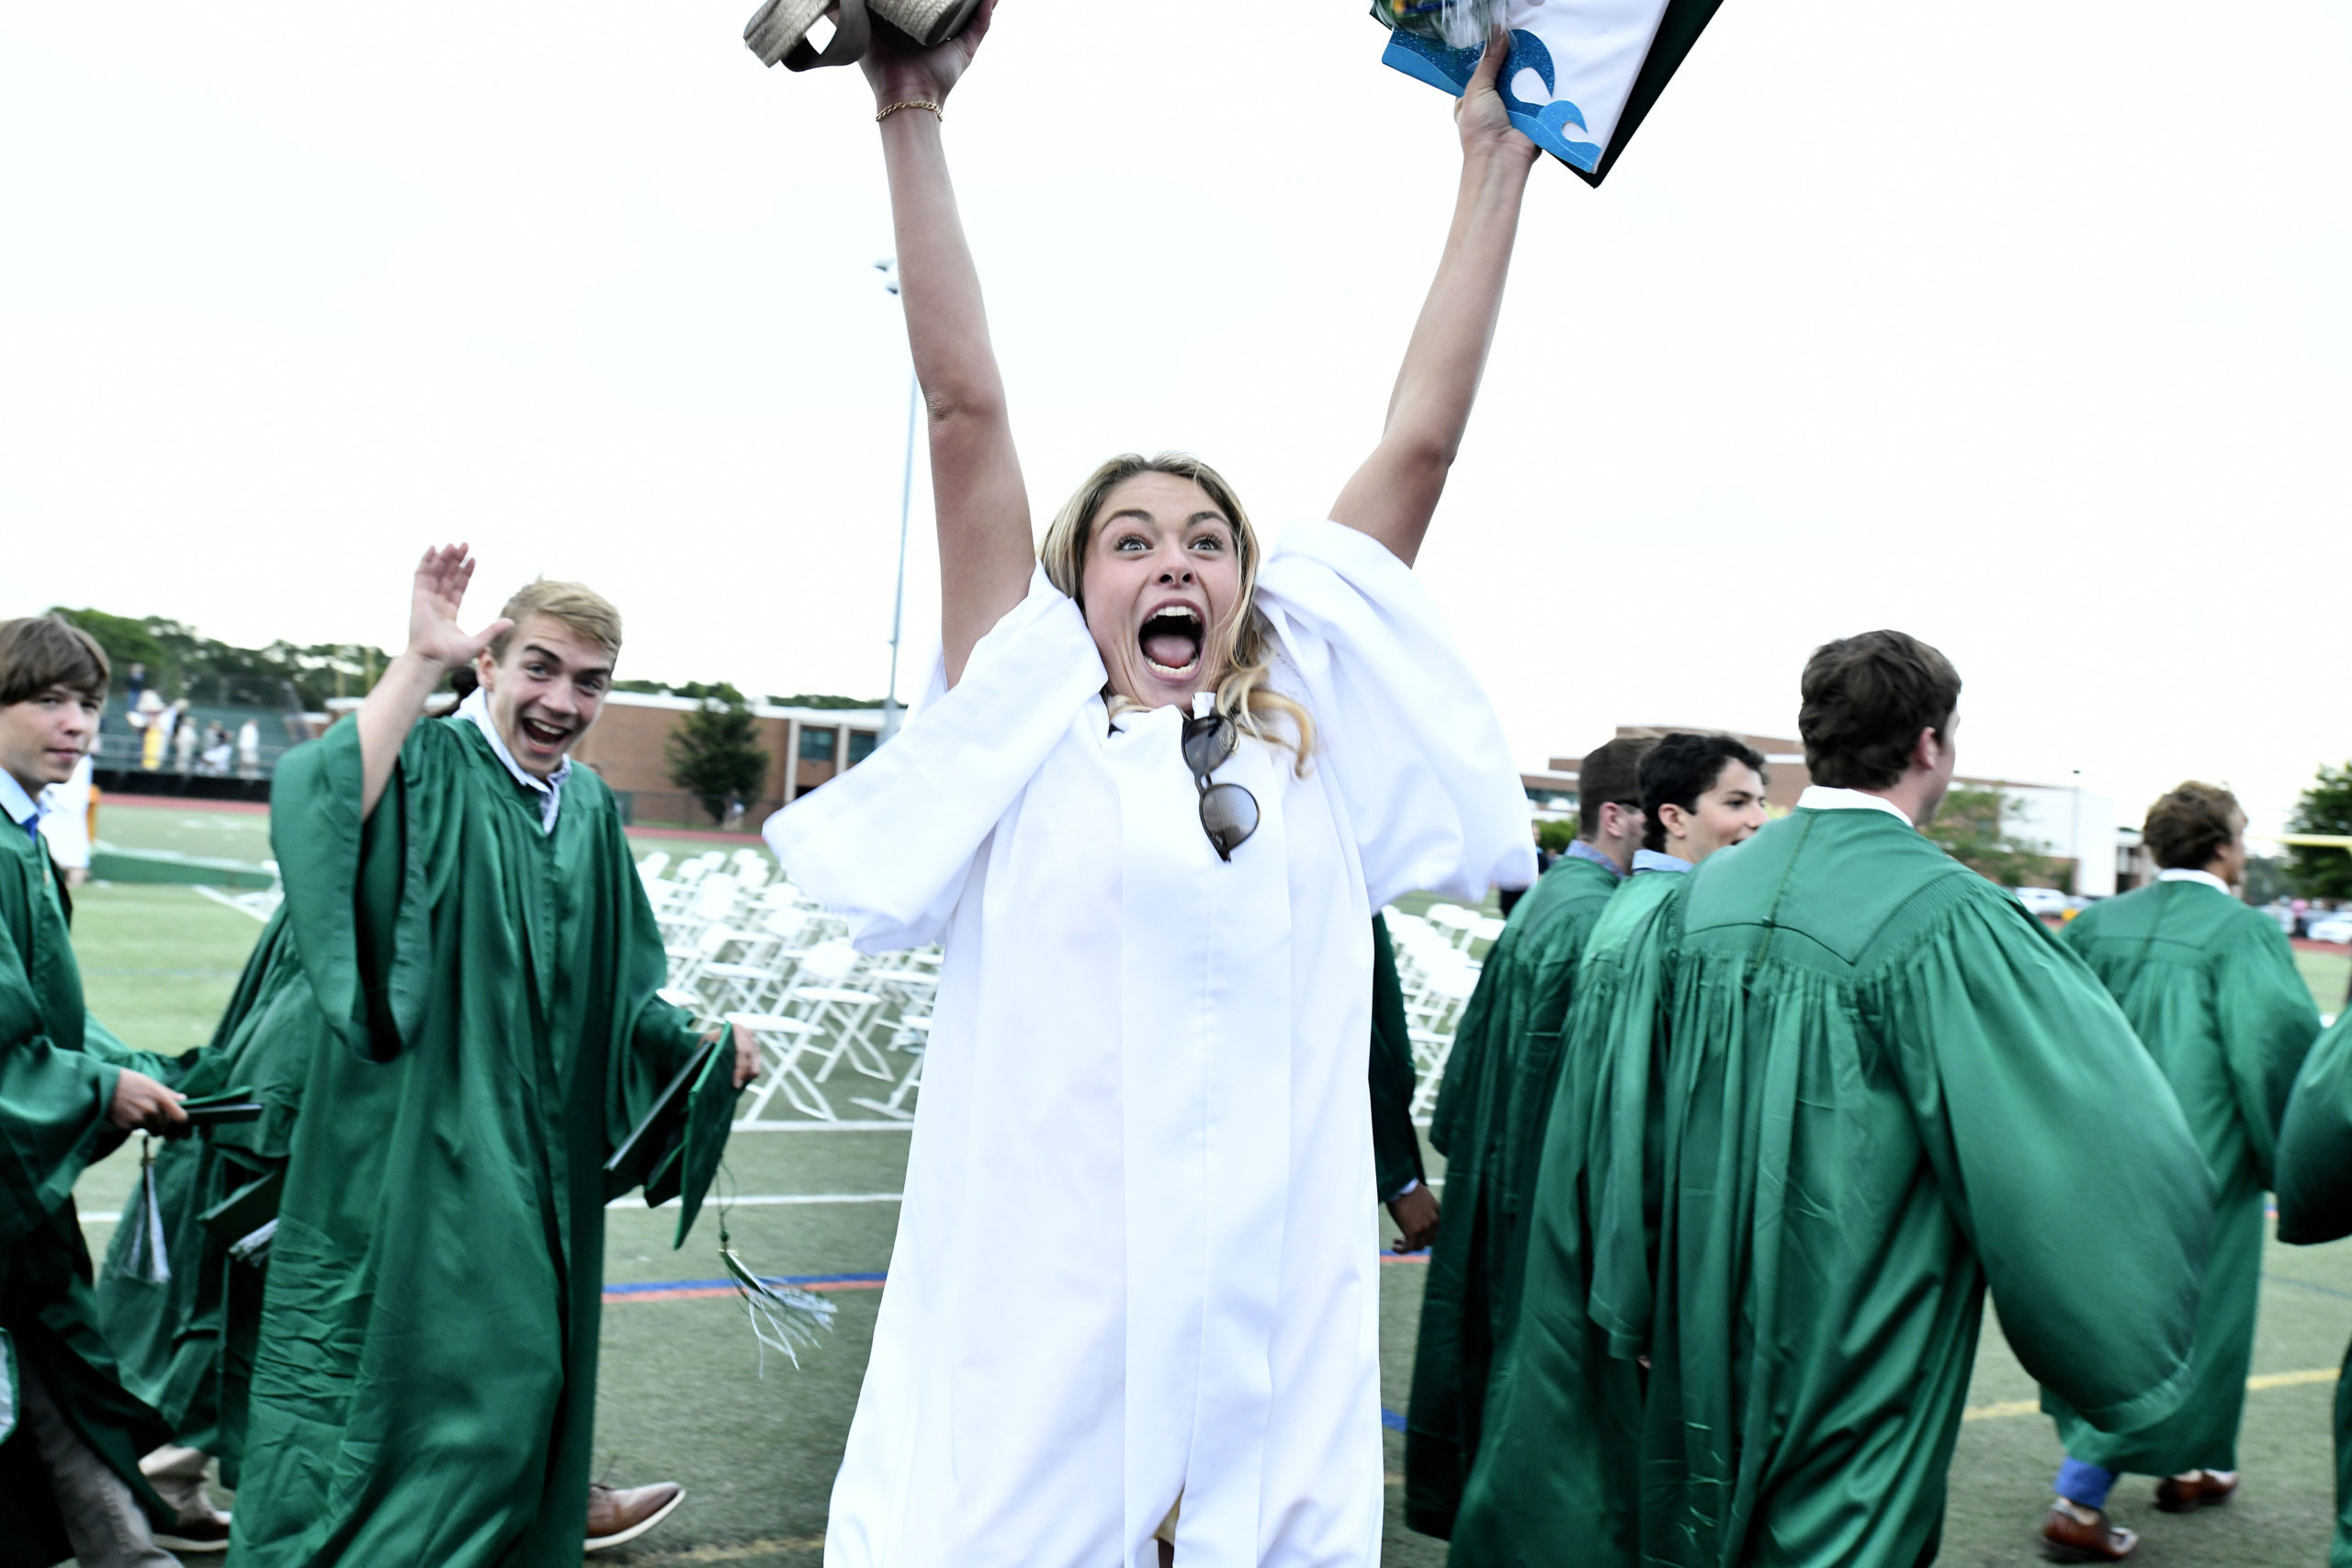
[2084, 1483]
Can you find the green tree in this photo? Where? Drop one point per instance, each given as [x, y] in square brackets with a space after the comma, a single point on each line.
[2267, 881]
[183, 661]
[715, 752]
[1970, 828]
[2323, 871]
[1556, 836]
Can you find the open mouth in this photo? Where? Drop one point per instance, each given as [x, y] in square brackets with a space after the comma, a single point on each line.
[1170, 640]
[546, 737]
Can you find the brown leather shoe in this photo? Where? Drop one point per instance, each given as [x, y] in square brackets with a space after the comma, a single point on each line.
[2187, 1493]
[2071, 1533]
[615, 1517]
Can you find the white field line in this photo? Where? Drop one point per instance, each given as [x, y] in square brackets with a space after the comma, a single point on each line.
[219, 897]
[764, 1200]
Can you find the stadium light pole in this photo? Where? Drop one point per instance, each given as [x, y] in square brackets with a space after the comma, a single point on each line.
[889, 271]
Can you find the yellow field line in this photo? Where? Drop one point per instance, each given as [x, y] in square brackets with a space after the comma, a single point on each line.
[2008, 1407]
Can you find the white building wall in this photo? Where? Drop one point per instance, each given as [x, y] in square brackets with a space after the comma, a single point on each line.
[2076, 823]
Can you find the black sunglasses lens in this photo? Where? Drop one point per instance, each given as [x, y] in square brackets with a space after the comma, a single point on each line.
[1207, 743]
[1229, 815]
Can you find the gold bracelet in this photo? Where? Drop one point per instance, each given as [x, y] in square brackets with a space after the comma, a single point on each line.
[914, 104]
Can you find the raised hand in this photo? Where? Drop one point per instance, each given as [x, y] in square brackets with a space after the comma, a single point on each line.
[1484, 121]
[1395, 492]
[902, 74]
[434, 633]
[436, 644]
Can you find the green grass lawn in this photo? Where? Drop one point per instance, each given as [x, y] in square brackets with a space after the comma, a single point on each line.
[685, 1396]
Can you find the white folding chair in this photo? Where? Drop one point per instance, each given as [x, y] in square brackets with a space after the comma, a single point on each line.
[785, 1044]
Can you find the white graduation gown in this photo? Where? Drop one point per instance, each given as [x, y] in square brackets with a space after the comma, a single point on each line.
[1137, 1256]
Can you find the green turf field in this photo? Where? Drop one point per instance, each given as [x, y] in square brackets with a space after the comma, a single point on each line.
[685, 1397]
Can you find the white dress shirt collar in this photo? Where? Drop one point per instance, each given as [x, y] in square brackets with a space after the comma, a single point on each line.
[2182, 874]
[24, 809]
[1657, 860]
[548, 789]
[1821, 797]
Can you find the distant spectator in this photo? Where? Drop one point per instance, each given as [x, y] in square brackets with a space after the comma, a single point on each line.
[734, 819]
[155, 721]
[249, 750]
[67, 825]
[184, 736]
[134, 687]
[216, 751]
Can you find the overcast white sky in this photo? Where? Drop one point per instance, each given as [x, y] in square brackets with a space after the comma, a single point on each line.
[2020, 327]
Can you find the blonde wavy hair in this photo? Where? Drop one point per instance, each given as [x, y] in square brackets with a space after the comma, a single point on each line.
[1241, 643]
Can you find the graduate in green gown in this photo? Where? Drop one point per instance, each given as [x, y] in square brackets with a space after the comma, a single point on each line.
[1886, 1087]
[186, 1342]
[1557, 1474]
[1403, 1183]
[2211, 987]
[471, 930]
[2314, 1176]
[69, 1434]
[1489, 1125]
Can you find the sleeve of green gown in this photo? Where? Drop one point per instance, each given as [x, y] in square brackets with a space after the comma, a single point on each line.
[2267, 1027]
[2064, 1155]
[1396, 1147]
[660, 1038]
[358, 893]
[52, 1107]
[2314, 1172]
[107, 1047]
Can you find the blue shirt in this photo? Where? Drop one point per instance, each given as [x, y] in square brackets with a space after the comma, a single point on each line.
[1657, 860]
[1582, 851]
[24, 810]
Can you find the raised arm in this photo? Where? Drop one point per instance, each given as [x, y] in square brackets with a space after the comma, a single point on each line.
[1394, 495]
[986, 551]
[435, 646]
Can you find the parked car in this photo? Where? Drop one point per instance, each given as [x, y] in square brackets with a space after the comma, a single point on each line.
[2043, 901]
[2332, 928]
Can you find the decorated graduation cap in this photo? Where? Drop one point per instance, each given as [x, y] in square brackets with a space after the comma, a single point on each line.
[1582, 73]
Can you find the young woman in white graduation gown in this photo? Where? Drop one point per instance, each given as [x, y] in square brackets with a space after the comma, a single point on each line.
[1159, 788]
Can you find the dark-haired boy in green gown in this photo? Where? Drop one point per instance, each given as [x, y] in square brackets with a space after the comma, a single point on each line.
[69, 1435]
[471, 931]
[1885, 1087]
[1557, 1470]
[1488, 1124]
[2211, 988]
[2314, 1176]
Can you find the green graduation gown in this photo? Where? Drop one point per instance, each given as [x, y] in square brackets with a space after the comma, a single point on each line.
[424, 1390]
[58, 1069]
[186, 1344]
[1887, 1087]
[1487, 1123]
[2211, 987]
[1557, 1469]
[1395, 1145]
[2314, 1176]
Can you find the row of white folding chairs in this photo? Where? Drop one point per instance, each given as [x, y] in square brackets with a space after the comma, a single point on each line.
[768, 958]
[1437, 977]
